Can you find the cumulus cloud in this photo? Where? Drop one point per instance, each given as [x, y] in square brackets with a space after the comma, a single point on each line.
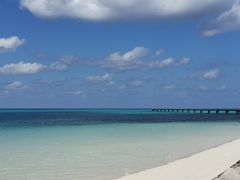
[100, 79]
[58, 66]
[102, 10]
[227, 21]
[112, 10]
[133, 59]
[211, 74]
[159, 52]
[161, 64]
[16, 85]
[33, 68]
[126, 60]
[10, 44]
[132, 55]
[62, 64]
[21, 68]
[183, 61]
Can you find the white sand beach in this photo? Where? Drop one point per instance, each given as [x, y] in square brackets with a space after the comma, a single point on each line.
[202, 166]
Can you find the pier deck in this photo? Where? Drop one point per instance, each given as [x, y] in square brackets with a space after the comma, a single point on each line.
[199, 111]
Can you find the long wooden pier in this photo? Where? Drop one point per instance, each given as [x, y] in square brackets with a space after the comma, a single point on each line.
[198, 111]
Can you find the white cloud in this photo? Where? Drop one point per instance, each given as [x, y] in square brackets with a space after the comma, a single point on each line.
[183, 61]
[58, 66]
[133, 59]
[102, 10]
[159, 52]
[211, 74]
[161, 64]
[227, 21]
[228, 18]
[33, 68]
[132, 55]
[62, 64]
[10, 44]
[16, 85]
[207, 74]
[21, 68]
[100, 79]
[126, 60]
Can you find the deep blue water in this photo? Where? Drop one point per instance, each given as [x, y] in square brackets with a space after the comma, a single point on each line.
[50, 117]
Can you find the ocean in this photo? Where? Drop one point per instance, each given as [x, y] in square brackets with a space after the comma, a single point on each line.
[102, 144]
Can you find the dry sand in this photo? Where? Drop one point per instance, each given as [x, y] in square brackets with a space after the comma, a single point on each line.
[202, 166]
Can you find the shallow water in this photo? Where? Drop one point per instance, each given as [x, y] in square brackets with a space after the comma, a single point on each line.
[99, 151]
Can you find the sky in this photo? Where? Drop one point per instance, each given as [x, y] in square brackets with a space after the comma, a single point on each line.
[119, 53]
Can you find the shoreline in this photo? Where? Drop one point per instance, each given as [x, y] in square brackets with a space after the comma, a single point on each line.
[205, 165]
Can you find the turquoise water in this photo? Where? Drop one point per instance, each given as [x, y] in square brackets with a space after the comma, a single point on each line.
[102, 144]
[100, 151]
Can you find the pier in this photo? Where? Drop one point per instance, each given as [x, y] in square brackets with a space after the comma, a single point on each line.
[198, 111]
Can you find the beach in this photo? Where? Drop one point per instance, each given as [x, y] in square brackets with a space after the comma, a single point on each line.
[202, 166]
[119, 90]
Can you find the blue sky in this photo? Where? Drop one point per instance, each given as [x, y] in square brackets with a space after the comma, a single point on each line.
[135, 53]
